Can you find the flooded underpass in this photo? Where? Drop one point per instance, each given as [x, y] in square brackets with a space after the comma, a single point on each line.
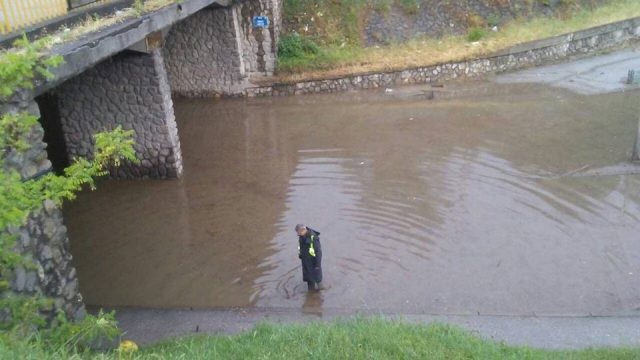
[485, 199]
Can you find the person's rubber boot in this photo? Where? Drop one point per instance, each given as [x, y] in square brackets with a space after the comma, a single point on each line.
[311, 285]
[319, 286]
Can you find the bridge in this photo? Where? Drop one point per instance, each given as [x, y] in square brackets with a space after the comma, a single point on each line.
[126, 74]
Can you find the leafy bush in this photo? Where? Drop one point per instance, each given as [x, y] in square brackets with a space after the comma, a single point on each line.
[20, 65]
[295, 46]
[21, 321]
[494, 19]
[65, 340]
[475, 34]
[81, 335]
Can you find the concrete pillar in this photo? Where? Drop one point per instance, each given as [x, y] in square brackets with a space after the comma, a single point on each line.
[43, 239]
[131, 89]
[259, 46]
[202, 55]
[218, 52]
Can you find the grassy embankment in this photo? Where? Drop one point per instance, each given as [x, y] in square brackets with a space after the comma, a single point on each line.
[343, 339]
[337, 50]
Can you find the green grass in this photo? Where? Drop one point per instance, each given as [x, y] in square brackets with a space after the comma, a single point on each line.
[364, 339]
[339, 57]
[475, 34]
[342, 339]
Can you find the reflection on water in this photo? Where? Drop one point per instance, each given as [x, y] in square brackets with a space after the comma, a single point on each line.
[482, 200]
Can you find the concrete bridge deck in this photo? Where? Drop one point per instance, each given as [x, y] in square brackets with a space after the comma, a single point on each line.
[92, 48]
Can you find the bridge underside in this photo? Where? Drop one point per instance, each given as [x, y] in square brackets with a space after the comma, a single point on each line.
[130, 90]
[214, 52]
[126, 78]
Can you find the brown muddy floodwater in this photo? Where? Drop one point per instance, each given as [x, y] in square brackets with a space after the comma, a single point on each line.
[491, 199]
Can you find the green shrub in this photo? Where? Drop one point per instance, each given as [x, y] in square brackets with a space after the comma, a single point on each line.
[20, 66]
[295, 46]
[475, 34]
[494, 19]
[83, 334]
[21, 322]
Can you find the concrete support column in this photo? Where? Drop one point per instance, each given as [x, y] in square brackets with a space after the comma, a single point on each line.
[131, 89]
[259, 46]
[217, 51]
[203, 57]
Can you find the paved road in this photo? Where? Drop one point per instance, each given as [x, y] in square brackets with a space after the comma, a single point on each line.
[593, 75]
[146, 326]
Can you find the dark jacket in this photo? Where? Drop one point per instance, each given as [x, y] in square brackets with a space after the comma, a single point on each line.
[311, 256]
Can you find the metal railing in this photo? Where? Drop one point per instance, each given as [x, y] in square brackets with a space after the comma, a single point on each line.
[16, 15]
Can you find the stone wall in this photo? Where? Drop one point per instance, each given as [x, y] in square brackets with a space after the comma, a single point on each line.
[131, 90]
[43, 240]
[202, 55]
[518, 57]
[34, 161]
[217, 51]
[259, 46]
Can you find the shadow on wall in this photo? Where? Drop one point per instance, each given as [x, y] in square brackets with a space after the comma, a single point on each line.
[53, 135]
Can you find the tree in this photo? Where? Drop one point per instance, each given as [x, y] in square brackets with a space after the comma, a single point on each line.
[19, 314]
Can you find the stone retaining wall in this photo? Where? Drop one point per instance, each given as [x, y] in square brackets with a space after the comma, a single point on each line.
[45, 243]
[517, 57]
[217, 50]
[43, 240]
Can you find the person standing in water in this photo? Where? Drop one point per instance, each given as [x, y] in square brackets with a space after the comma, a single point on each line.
[310, 254]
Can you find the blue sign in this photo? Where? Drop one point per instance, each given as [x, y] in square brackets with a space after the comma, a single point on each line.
[260, 21]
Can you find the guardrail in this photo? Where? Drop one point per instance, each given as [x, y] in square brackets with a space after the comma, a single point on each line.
[16, 15]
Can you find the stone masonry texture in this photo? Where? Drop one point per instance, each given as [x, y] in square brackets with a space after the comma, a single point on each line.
[131, 90]
[217, 51]
[258, 46]
[202, 55]
[43, 239]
